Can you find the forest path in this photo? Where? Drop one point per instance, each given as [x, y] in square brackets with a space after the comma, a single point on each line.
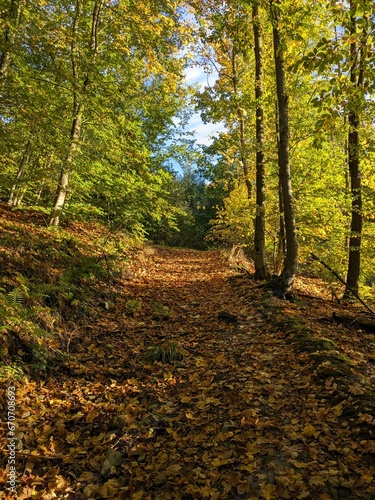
[242, 416]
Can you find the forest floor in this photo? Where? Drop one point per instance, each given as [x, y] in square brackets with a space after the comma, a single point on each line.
[181, 379]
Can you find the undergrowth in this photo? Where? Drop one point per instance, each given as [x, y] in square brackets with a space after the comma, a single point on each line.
[48, 279]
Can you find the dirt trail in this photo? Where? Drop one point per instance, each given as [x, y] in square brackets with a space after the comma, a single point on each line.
[242, 416]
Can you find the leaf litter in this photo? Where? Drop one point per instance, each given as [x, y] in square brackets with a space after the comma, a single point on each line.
[254, 406]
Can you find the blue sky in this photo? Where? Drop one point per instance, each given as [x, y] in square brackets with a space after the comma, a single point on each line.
[203, 132]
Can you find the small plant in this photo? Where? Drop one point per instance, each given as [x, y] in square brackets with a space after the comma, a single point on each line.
[169, 352]
[133, 306]
[10, 372]
[160, 311]
[17, 296]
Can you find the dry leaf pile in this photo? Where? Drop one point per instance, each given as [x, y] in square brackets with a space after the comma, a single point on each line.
[266, 399]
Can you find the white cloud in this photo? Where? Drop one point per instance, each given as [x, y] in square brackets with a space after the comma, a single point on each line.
[203, 132]
[196, 75]
[193, 75]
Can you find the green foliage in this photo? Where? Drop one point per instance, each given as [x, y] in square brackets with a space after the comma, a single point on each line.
[133, 306]
[116, 172]
[160, 311]
[10, 372]
[194, 207]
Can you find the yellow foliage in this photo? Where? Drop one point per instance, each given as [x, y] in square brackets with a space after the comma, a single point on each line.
[234, 223]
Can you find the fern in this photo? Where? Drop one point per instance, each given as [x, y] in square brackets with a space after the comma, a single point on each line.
[9, 372]
[17, 296]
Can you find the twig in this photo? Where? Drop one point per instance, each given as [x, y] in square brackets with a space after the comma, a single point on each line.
[43, 457]
[342, 281]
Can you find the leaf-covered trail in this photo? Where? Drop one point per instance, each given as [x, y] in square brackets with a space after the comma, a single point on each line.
[244, 415]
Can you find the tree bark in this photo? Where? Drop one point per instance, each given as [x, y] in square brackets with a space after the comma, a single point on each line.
[241, 121]
[360, 322]
[12, 23]
[281, 243]
[261, 271]
[78, 106]
[63, 184]
[14, 199]
[356, 79]
[290, 266]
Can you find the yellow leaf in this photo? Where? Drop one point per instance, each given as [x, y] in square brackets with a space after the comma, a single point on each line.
[185, 399]
[249, 467]
[308, 431]
[90, 490]
[73, 436]
[268, 491]
[367, 478]
[200, 362]
[300, 465]
[138, 495]
[86, 476]
[217, 462]
[173, 470]
[190, 415]
[337, 410]
[109, 489]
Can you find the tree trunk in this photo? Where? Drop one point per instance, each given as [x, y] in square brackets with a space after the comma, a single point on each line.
[354, 264]
[78, 106]
[281, 243]
[241, 121]
[356, 79]
[261, 271]
[63, 185]
[290, 267]
[16, 188]
[11, 23]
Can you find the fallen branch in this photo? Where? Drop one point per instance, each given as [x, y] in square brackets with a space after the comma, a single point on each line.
[366, 323]
[343, 282]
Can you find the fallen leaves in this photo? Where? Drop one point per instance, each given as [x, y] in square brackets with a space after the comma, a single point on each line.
[242, 415]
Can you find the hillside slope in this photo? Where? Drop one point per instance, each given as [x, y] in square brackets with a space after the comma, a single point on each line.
[168, 375]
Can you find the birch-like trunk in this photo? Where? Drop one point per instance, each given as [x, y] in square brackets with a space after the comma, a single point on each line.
[63, 184]
[79, 90]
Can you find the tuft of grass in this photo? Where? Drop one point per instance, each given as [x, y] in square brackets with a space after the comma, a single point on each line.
[168, 353]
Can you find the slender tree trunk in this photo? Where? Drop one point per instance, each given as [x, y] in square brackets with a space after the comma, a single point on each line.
[13, 197]
[21, 191]
[261, 271]
[241, 121]
[63, 185]
[281, 244]
[12, 22]
[39, 193]
[291, 259]
[356, 79]
[78, 106]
